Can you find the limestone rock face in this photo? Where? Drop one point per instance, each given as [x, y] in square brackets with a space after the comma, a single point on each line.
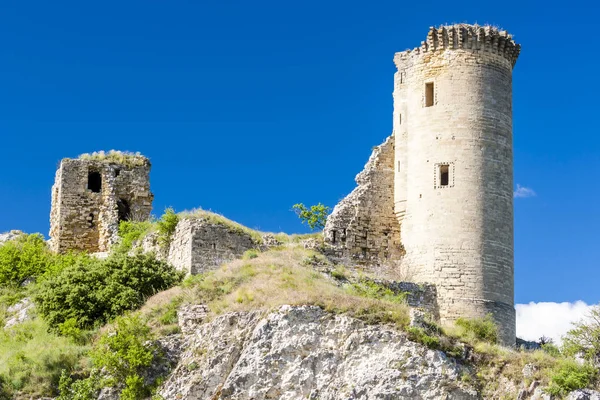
[19, 312]
[8, 236]
[302, 352]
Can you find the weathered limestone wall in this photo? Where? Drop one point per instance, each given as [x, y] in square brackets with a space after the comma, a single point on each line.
[82, 219]
[363, 227]
[460, 235]
[199, 245]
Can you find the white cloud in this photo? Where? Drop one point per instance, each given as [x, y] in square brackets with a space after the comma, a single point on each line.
[523, 192]
[553, 320]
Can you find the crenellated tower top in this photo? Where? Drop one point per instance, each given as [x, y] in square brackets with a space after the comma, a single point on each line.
[467, 37]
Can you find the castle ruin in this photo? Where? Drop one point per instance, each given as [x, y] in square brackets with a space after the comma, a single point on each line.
[92, 194]
[436, 198]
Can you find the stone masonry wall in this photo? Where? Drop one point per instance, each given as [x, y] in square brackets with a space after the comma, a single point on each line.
[453, 109]
[363, 227]
[86, 220]
[199, 245]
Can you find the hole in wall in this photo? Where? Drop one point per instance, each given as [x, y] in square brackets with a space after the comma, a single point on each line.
[123, 209]
[444, 175]
[94, 181]
[429, 94]
[333, 236]
[117, 172]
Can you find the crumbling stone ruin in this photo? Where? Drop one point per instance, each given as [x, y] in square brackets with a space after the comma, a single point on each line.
[452, 186]
[363, 227]
[92, 194]
[200, 244]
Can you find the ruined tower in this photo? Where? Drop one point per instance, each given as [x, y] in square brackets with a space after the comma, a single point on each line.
[92, 194]
[436, 198]
[453, 189]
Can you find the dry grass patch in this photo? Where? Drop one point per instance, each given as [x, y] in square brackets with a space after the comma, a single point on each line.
[119, 157]
[215, 218]
[279, 277]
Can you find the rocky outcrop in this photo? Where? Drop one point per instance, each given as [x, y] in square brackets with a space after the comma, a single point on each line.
[304, 352]
[363, 227]
[19, 312]
[8, 236]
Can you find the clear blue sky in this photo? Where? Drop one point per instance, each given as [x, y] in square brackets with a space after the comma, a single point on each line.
[246, 108]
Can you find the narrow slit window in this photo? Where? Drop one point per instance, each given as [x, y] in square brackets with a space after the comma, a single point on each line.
[429, 94]
[398, 166]
[444, 175]
[333, 236]
[94, 181]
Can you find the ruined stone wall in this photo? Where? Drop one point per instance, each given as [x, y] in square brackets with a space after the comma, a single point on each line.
[87, 220]
[453, 110]
[363, 228]
[200, 244]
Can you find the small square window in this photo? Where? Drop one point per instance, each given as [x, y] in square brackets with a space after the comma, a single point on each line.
[429, 94]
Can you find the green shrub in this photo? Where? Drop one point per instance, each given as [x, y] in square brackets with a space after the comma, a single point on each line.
[551, 349]
[483, 329]
[166, 227]
[94, 291]
[124, 353]
[584, 339]
[132, 231]
[22, 258]
[420, 336]
[569, 375]
[370, 289]
[315, 216]
[83, 389]
[250, 254]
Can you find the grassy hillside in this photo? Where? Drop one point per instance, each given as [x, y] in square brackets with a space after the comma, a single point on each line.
[93, 315]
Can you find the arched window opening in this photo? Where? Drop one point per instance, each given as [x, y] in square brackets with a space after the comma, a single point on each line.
[123, 210]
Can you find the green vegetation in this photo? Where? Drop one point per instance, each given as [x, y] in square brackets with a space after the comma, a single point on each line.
[31, 359]
[282, 276]
[95, 291]
[65, 352]
[569, 375]
[584, 339]
[315, 216]
[122, 354]
[250, 254]
[166, 226]
[119, 157]
[373, 290]
[479, 329]
[73, 294]
[23, 258]
[132, 231]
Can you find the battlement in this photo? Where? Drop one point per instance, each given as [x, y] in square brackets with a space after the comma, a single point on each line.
[468, 37]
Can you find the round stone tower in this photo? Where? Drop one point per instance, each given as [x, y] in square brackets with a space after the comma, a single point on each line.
[453, 190]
